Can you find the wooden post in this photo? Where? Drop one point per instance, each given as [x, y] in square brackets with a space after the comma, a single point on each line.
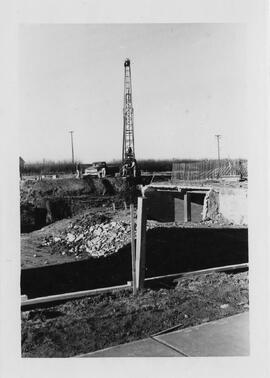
[141, 242]
[187, 207]
[133, 255]
[125, 206]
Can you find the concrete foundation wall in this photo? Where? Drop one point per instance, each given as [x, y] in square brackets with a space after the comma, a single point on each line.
[233, 205]
[217, 203]
[169, 206]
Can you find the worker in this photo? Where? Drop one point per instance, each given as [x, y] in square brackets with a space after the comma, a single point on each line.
[133, 168]
[103, 172]
[78, 171]
[124, 170]
[129, 167]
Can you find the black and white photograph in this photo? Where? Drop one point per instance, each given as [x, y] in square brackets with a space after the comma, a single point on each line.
[135, 190]
[134, 187]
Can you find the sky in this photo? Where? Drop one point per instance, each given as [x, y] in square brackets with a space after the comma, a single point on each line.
[188, 82]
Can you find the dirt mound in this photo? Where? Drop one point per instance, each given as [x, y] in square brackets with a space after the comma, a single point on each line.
[35, 191]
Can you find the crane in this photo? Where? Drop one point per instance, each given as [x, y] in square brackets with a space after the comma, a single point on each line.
[129, 167]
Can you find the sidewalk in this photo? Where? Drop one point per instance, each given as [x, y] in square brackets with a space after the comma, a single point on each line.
[225, 337]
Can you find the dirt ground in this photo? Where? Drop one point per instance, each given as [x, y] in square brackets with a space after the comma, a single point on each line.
[89, 324]
[86, 325]
[34, 254]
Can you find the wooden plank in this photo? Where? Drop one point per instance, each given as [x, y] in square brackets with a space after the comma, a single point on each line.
[72, 295]
[187, 207]
[133, 252]
[141, 242]
[80, 294]
[198, 191]
[197, 272]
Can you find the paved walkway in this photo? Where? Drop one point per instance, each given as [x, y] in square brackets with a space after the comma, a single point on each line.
[225, 337]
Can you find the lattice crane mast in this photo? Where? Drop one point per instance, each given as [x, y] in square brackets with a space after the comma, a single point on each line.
[129, 165]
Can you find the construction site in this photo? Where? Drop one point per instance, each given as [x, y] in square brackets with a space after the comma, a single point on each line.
[125, 261]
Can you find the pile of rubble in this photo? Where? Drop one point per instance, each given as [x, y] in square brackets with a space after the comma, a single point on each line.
[96, 236]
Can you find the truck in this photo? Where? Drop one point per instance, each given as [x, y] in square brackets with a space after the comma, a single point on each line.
[97, 169]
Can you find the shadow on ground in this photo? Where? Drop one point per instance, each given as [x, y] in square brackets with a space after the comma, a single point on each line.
[169, 250]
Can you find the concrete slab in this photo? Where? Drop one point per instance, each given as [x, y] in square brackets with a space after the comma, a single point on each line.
[141, 348]
[225, 337]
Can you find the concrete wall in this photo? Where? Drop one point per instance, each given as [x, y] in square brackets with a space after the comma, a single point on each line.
[219, 203]
[165, 206]
[233, 204]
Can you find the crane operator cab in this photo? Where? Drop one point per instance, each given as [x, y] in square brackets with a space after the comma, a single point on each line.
[130, 166]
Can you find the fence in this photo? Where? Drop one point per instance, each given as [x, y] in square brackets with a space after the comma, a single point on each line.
[208, 169]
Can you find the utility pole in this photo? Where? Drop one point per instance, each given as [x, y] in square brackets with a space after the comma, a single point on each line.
[72, 149]
[218, 136]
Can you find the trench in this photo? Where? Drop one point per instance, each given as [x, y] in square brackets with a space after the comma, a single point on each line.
[168, 251]
[36, 217]
[49, 206]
